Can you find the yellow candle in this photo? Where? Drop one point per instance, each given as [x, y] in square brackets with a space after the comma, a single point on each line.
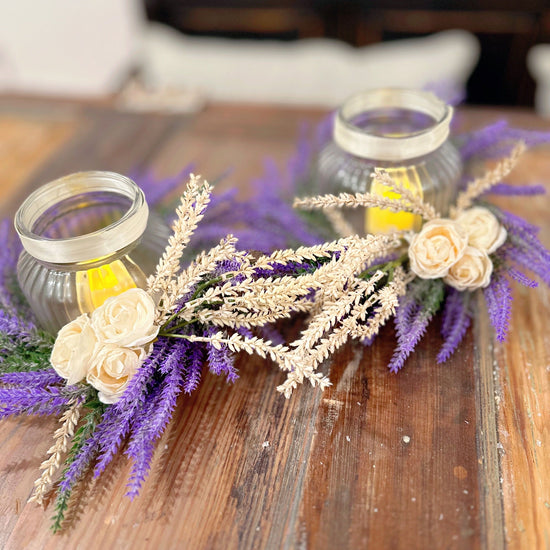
[95, 285]
[379, 220]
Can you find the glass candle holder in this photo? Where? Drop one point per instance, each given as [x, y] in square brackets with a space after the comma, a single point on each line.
[86, 237]
[406, 133]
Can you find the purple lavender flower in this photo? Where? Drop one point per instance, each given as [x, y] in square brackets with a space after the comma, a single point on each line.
[498, 296]
[41, 378]
[520, 277]
[455, 323]
[269, 332]
[141, 446]
[222, 360]
[411, 323]
[416, 309]
[13, 325]
[497, 139]
[193, 368]
[523, 247]
[324, 130]
[32, 400]
[518, 190]
[155, 414]
[157, 189]
[118, 417]
[10, 300]
[80, 463]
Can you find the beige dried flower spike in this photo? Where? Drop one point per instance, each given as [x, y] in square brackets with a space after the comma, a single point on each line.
[407, 202]
[63, 436]
[481, 185]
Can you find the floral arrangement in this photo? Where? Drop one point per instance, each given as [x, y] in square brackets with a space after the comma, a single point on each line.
[478, 247]
[113, 376]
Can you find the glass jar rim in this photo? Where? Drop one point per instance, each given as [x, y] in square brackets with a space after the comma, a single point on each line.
[358, 142]
[102, 242]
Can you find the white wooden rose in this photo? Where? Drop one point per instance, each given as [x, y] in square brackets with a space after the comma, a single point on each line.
[111, 369]
[439, 245]
[127, 319]
[483, 229]
[73, 349]
[472, 271]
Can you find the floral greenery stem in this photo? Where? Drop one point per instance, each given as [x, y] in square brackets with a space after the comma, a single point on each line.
[416, 309]
[81, 437]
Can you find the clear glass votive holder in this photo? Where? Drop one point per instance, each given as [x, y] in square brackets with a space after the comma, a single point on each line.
[86, 237]
[405, 132]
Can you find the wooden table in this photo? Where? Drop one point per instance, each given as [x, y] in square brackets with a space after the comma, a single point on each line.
[452, 456]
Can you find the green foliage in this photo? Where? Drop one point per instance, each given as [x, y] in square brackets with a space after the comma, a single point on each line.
[25, 353]
[428, 292]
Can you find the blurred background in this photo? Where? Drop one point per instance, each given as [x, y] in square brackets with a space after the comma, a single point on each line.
[178, 54]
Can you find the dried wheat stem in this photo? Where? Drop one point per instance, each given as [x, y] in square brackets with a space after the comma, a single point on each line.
[339, 223]
[492, 177]
[236, 343]
[62, 436]
[310, 355]
[204, 264]
[190, 211]
[426, 210]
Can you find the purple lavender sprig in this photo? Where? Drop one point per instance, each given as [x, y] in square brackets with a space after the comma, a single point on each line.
[496, 140]
[193, 368]
[507, 189]
[156, 413]
[41, 379]
[455, 322]
[158, 189]
[498, 296]
[79, 460]
[416, 309]
[9, 253]
[221, 360]
[33, 400]
[523, 248]
[118, 418]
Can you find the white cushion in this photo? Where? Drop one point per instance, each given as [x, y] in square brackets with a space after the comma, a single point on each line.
[68, 47]
[538, 62]
[310, 71]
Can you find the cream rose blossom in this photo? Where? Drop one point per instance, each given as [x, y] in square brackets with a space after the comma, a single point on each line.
[439, 245]
[126, 320]
[483, 229]
[472, 271]
[73, 349]
[111, 369]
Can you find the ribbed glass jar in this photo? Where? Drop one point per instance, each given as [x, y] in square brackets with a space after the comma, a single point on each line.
[402, 131]
[86, 237]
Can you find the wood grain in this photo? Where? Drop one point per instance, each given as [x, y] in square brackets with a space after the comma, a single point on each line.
[439, 456]
[24, 145]
[522, 388]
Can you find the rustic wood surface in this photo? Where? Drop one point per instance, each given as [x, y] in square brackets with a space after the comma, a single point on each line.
[452, 456]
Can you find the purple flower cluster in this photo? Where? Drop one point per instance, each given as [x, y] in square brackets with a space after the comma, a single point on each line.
[455, 322]
[416, 309]
[41, 393]
[221, 360]
[497, 140]
[498, 296]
